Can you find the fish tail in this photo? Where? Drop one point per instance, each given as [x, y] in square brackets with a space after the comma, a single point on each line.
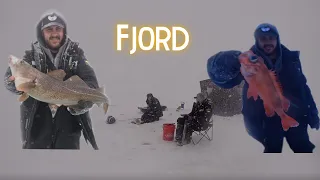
[288, 122]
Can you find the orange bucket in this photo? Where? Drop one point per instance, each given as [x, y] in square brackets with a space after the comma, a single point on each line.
[168, 131]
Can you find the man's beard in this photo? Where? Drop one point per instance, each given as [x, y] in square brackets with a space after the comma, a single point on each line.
[268, 46]
[56, 48]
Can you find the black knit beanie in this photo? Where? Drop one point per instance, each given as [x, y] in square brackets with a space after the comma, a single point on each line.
[52, 19]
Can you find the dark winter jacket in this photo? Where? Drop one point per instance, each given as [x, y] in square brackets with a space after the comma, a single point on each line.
[224, 70]
[201, 112]
[73, 61]
[154, 107]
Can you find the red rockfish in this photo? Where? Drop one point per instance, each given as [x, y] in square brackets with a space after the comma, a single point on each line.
[264, 83]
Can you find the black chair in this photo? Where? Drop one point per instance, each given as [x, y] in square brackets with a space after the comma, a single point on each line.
[205, 132]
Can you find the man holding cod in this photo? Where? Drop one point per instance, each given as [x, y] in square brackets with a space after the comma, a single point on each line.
[57, 56]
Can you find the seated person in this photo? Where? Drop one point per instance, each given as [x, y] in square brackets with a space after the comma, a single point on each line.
[153, 111]
[196, 120]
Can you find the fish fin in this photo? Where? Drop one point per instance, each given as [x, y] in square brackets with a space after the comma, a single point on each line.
[269, 111]
[25, 87]
[288, 122]
[23, 97]
[276, 82]
[105, 107]
[77, 81]
[285, 102]
[57, 74]
[252, 92]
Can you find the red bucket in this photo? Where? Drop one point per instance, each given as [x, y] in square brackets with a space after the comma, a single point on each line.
[168, 131]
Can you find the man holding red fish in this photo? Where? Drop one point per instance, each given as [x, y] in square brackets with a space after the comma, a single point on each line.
[277, 102]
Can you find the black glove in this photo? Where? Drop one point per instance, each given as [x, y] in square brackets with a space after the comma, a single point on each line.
[85, 104]
[81, 108]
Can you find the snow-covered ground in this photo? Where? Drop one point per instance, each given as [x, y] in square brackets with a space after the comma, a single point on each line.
[139, 151]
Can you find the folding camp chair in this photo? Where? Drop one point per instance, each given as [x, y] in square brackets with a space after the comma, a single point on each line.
[202, 133]
[205, 132]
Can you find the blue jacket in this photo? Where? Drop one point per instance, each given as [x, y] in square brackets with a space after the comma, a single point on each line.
[224, 70]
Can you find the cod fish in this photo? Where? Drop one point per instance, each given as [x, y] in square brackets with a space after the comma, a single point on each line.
[51, 88]
[265, 84]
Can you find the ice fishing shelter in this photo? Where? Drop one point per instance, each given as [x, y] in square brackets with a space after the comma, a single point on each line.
[225, 102]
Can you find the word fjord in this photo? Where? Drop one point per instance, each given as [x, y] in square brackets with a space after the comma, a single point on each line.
[156, 38]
